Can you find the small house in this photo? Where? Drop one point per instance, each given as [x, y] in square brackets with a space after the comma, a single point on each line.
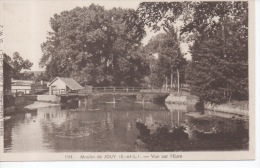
[63, 85]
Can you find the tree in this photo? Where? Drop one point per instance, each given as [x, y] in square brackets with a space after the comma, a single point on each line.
[200, 17]
[223, 51]
[159, 15]
[41, 77]
[188, 72]
[221, 75]
[19, 64]
[219, 32]
[94, 46]
[170, 61]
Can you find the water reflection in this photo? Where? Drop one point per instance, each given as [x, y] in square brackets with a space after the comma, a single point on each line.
[94, 125]
[194, 131]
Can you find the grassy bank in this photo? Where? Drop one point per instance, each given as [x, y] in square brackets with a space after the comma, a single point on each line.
[233, 107]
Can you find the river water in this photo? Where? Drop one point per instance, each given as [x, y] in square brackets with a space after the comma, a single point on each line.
[98, 125]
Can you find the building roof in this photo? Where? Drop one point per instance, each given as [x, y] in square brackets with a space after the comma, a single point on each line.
[71, 83]
[23, 81]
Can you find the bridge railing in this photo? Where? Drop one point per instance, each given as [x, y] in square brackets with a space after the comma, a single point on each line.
[111, 90]
[116, 89]
[131, 89]
[95, 90]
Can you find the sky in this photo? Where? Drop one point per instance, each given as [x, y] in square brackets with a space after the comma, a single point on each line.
[26, 23]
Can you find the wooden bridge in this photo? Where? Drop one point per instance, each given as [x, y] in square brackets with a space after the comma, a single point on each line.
[115, 91]
[62, 96]
[99, 91]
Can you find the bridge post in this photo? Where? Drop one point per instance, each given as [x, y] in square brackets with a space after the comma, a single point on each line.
[171, 117]
[86, 102]
[143, 100]
[79, 103]
[114, 101]
[178, 117]
[143, 96]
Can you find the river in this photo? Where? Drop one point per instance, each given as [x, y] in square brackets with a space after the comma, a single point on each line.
[98, 125]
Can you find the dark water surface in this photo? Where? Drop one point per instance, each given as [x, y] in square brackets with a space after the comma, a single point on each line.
[101, 126]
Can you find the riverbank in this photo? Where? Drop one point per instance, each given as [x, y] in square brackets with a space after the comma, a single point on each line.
[234, 107]
[28, 105]
[39, 104]
[13, 109]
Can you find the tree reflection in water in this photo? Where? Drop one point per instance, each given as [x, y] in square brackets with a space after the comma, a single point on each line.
[187, 137]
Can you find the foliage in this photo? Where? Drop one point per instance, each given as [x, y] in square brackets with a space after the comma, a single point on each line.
[219, 34]
[227, 135]
[220, 59]
[41, 77]
[197, 16]
[170, 59]
[95, 46]
[159, 14]
[18, 64]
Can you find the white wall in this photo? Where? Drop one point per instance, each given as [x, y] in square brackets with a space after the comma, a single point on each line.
[59, 85]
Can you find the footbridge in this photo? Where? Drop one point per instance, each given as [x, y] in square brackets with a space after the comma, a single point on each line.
[117, 91]
[100, 91]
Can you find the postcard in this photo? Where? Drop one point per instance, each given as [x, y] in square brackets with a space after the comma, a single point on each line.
[127, 80]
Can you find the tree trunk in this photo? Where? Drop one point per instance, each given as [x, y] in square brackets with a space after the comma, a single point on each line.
[171, 79]
[166, 86]
[178, 80]
[230, 95]
[224, 38]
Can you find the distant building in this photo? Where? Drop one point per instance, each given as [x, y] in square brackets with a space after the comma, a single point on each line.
[22, 86]
[27, 87]
[63, 85]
